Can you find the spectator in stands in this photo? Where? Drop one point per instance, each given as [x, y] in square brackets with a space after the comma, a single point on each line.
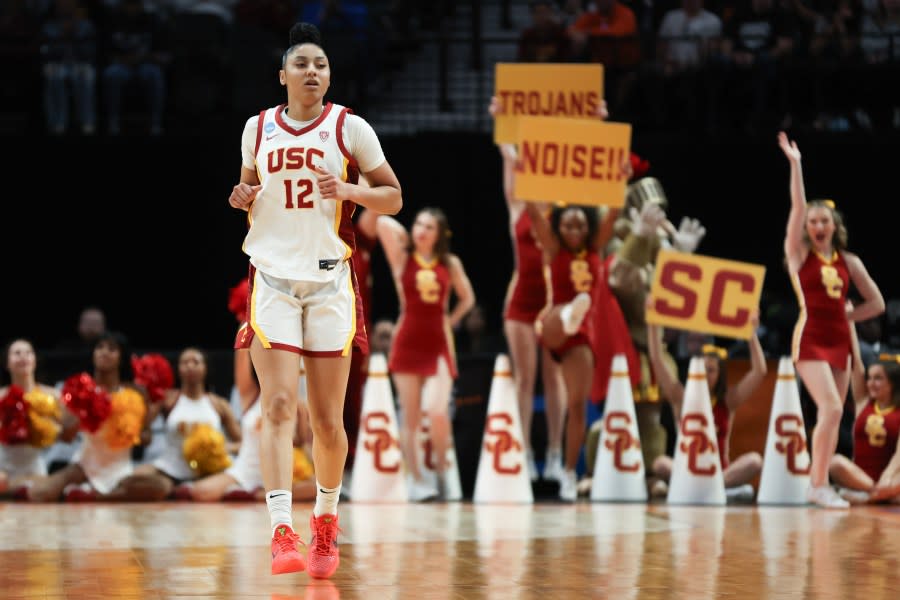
[68, 51]
[545, 40]
[473, 336]
[607, 33]
[686, 37]
[880, 44]
[757, 39]
[869, 334]
[134, 41]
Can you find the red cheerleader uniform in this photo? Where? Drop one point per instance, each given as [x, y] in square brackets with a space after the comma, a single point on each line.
[875, 434]
[822, 331]
[611, 328]
[570, 274]
[527, 292]
[423, 331]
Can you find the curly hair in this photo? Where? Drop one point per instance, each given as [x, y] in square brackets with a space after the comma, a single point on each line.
[590, 214]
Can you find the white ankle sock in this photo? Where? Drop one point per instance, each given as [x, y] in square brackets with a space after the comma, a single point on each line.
[279, 503]
[326, 500]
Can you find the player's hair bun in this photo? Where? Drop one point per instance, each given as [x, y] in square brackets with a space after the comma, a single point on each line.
[305, 33]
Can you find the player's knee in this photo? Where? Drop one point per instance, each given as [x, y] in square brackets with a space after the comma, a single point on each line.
[830, 414]
[282, 407]
[661, 466]
[754, 462]
[328, 431]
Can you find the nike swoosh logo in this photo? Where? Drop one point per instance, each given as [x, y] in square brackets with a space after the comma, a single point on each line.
[324, 492]
[276, 495]
[269, 137]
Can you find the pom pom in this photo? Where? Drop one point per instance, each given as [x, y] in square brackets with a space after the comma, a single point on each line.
[14, 417]
[237, 299]
[204, 450]
[43, 418]
[154, 372]
[87, 401]
[639, 166]
[303, 468]
[122, 429]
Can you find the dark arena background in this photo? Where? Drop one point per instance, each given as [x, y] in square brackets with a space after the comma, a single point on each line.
[135, 220]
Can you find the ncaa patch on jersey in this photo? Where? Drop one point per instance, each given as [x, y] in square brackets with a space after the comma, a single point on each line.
[323, 135]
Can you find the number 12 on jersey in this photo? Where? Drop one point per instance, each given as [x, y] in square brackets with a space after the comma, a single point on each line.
[304, 188]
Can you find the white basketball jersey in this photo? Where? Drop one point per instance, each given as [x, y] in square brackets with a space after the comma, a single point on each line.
[294, 232]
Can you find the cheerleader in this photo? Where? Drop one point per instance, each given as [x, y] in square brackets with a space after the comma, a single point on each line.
[22, 462]
[874, 473]
[422, 352]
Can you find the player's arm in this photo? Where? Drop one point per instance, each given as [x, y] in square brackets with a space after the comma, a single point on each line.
[394, 241]
[752, 378]
[873, 302]
[671, 388]
[462, 287]
[857, 374]
[794, 247]
[543, 231]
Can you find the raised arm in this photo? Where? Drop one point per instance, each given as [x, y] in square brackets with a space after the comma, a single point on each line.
[794, 247]
[543, 231]
[873, 302]
[857, 374]
[462, 287]
[671, 388]
[739, 394]
[394, 240]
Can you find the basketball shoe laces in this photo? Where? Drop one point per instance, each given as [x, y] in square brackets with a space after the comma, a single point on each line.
[288, 542]
[325, 536]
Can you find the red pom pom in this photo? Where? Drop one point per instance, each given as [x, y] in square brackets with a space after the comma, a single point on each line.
[14, 417]
[639, 166]
[154, 372]
[87, 401]
[237, 299]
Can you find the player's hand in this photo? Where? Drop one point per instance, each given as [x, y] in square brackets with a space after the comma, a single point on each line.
[647, 222]
[243, 195]
[789, 147]
[688, 236]
[495, 108]
[330, 186]
[602, 111]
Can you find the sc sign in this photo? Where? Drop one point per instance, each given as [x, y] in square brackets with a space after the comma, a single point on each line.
[704, 294]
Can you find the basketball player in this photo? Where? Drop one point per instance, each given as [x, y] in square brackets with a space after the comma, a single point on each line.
[300, 164]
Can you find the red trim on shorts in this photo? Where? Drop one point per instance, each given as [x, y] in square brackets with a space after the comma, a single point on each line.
[320, 353]
[361, 338]
[259, 131]
[283, 124]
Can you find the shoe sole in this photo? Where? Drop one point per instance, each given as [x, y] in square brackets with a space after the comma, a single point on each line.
[295, 566]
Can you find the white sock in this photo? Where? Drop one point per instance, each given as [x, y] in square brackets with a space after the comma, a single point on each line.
[326, 500]
[279, 503]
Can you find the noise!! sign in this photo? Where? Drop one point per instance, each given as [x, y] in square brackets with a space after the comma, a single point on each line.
[704, 294]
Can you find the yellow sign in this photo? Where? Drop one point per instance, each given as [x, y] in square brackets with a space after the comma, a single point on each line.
[546, 90]
[704, 294]
[572, 160]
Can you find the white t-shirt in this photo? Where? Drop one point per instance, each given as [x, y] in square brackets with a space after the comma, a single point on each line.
[676, 24]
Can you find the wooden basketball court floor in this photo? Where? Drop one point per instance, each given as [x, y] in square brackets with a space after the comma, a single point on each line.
[455, 551]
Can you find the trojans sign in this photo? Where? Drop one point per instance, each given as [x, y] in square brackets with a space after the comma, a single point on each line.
[548, 90]
[703, 294]
[575, 161]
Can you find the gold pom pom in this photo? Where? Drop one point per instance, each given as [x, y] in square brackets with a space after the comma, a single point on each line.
[204, 450]
[122, 428]
[43, 418]
[303, 468]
